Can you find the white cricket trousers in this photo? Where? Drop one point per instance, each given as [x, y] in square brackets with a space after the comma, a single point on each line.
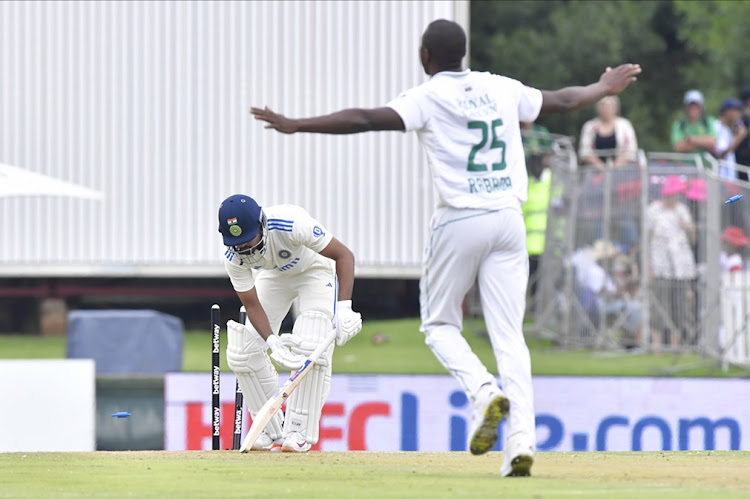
[465, 245]
[315, 287]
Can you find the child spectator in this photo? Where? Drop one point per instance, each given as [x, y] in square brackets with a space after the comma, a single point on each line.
[734, 240]
[671, 232]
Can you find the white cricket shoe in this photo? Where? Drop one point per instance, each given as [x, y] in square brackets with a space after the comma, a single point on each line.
[492, 406]
[295, 442]
[519, 456]
[266, 443]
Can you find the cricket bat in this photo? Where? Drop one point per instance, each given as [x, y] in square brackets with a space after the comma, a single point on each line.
[261, 420]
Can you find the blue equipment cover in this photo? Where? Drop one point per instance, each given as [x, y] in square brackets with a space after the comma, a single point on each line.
[126, 341]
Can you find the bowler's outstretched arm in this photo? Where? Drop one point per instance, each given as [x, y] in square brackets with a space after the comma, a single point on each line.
[347, 121]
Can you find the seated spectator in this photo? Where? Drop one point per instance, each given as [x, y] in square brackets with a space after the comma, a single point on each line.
[734, 240]
[590, 277]
[597, 291]
[730, 132]
[627, 304]
[742, 153]
[695, 132]
[608, 136]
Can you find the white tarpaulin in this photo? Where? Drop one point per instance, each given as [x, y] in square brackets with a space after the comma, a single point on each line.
[16, 181]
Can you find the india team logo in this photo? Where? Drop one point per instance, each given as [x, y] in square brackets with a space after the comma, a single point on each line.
[284, 254]
[317, 231]
[234, 229]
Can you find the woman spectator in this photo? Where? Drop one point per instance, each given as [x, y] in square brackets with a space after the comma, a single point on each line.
[608, 136]
[671, 232]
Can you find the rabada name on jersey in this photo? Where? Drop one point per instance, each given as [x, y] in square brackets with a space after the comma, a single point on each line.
[489, 185]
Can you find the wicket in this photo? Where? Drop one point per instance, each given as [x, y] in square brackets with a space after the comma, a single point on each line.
[215, 372]
[215, 385]
[237, 439]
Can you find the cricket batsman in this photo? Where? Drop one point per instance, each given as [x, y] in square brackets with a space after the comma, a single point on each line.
[274, 256]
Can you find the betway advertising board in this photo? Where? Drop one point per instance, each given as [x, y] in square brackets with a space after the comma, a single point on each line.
[431, 413]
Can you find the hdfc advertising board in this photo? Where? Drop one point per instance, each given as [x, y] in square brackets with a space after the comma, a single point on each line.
[431, 413]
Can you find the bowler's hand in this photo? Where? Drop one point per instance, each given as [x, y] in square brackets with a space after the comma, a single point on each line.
[276, 121]
[617, 79]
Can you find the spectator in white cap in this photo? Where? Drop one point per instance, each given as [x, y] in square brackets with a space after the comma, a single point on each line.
[695, 132]
[730, 132]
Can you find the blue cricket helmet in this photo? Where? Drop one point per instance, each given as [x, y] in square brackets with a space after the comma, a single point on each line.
[240, 219]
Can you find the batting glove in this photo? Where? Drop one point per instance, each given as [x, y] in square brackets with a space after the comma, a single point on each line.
[281, 353]
[350, 322]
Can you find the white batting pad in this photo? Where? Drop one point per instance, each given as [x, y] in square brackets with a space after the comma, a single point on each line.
[306, 402]
[258, 379]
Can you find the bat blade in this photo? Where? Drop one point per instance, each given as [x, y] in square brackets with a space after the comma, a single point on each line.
[264, 415]
[261, 420]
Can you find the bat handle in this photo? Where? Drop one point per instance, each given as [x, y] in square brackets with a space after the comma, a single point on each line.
[323, 345]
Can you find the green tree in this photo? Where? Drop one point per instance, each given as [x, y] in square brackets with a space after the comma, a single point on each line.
[718, 32]
[550, 44]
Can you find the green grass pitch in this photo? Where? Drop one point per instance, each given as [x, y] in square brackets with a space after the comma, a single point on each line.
[660, 475]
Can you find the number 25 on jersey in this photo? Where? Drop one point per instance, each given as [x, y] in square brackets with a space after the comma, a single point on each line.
[495, 144]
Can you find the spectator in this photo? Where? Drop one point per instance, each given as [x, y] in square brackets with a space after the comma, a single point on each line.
[671, 232]
[734, 240]
[536, 145]
[591, 280]
[742, 153]
[600, 295]
[730, 259]
[608, 136]
[730, 132]
[696, 132]
[626, 304]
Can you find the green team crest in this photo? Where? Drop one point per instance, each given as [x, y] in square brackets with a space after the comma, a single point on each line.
[234, 229]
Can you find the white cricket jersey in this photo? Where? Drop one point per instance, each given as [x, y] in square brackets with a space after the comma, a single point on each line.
[468, 123]
[294, 242]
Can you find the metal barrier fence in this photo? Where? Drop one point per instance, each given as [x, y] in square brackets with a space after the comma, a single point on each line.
[731, 278]
[734, 337]
[640, 256]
